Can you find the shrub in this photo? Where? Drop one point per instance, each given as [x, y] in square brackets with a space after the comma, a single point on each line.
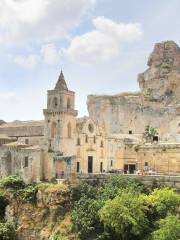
[169, 229]
[7, 231]
[85, 217]
[125, 217]
[163, 201]
[88, 189]
[28, 194]
[114, 185]
[13, 181]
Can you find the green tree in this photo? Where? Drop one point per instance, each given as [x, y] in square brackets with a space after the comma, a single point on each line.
[163, 201]
[85, 217]
[115, 184]
[169, 229]
[124, 216]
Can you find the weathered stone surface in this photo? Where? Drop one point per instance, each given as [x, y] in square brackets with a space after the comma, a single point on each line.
[162, 79]
[42, 220]
[157, 104]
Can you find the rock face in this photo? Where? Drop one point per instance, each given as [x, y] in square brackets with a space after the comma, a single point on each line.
[157, 104]
[43, 219]
[162, 79]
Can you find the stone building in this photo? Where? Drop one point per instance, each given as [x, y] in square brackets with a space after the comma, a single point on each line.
[111, 138]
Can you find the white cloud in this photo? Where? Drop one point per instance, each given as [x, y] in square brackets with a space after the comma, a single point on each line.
[40, 20]
[6, 97]
[104, 42]
[28, 62]
[50, 54]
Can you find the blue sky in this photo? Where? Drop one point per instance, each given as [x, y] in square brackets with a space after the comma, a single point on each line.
[101, 45]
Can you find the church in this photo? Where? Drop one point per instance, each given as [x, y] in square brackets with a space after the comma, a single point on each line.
[59, 146]
[111, 139]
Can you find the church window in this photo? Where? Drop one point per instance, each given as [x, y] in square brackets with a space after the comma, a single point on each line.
[26, 162]
[111, 163]
[94, 139]
[61, 102]
[86, 139]
[78, 167]
[102, 145]
[55, 102]
[68, 103]
[53, 130]
[101, 167]
[91, 128]
[26, 141]
[78, 142]
[69, 130]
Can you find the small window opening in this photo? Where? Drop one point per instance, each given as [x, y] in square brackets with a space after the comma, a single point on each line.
[111, 163]
[155, 138]
[78, 167]
[130, 131]
[94, 139]
[101, 167]
[86, 139]
[26, 141]
[68, 103]
[146, 164]
[69, 130]
[78, 142]
[26, 162]
[102, 144]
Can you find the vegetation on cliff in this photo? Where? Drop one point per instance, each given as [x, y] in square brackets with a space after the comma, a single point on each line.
[118, 208]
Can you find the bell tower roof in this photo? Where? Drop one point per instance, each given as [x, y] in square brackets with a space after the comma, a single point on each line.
[61, 83]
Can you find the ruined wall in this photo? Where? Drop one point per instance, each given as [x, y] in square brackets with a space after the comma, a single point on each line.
[157, 104]
[27, 163]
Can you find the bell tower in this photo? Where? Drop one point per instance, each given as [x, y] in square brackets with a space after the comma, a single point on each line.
[60, 118]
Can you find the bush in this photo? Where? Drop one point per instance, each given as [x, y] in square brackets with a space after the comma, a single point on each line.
[88, 189]
[28, 194]
[14, 182]
[163, 201]
[114, 185]
[85, 217]
[169, 229]
[124, 216]
[7, 231]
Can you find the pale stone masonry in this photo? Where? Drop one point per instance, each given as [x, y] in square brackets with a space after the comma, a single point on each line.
[111, 138]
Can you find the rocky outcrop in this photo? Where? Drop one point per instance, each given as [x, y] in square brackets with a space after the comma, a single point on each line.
[161, 80]
[44, 218]
[157, 104]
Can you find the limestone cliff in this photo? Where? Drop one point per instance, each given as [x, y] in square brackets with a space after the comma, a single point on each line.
[162, 79]
[157, 104]
[44, 218]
